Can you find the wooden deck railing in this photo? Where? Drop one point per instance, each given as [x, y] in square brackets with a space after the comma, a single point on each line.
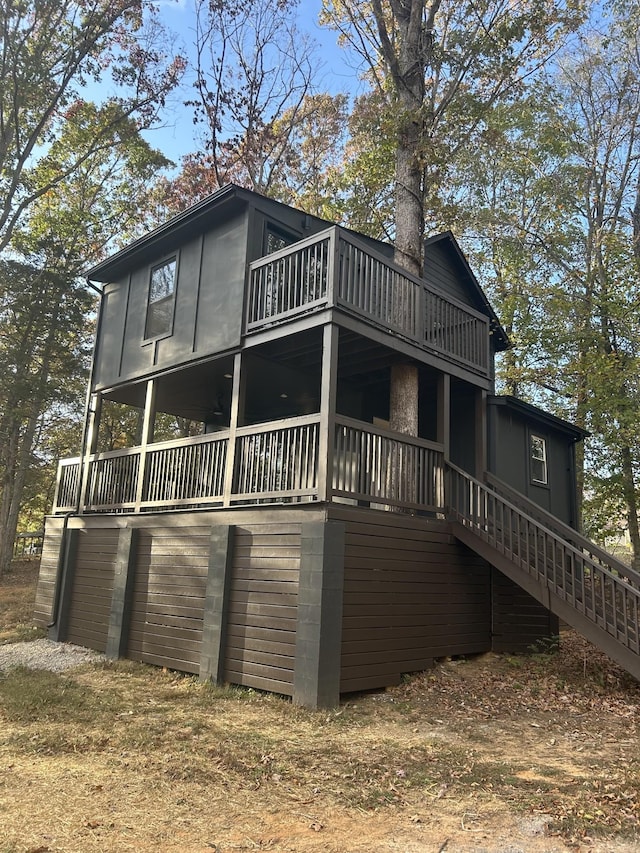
[606, 599]
[279, 462]
[334, 269]
[276, 461]
[375, 467]
[607, 561]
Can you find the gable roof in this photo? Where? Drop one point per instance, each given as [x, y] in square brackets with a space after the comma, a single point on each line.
[171, 233]
[448, 243]
[530, 412]
[232, 199]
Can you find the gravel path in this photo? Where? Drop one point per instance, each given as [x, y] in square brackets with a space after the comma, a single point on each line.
[46, 654]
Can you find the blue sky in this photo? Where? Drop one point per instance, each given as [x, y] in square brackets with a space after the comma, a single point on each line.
[177, 136]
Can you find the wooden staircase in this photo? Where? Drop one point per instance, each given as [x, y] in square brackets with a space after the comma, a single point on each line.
[586, 587]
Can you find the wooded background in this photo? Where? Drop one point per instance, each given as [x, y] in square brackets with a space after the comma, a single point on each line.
[514, 124]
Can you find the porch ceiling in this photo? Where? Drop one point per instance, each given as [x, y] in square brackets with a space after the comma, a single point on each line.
[202, 392]
[360, 360]
[194, 392]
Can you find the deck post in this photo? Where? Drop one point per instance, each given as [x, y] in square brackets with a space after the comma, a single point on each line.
[69, 544]
[443, 409]
[333, 267]
[91, 445]
[216, 602]
[237, 410]
[328, 394]
[119, 619]
[147, 438]
[481, 434]
[316, 680]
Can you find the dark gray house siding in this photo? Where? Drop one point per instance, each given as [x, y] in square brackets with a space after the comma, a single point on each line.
[292, 540]
[511, 423]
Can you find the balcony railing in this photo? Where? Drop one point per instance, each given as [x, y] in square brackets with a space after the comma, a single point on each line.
[334, 269]
[274, 462]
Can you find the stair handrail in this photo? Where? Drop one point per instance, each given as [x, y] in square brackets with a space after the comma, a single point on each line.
[565, 578]
[565, 531]
[619, 581]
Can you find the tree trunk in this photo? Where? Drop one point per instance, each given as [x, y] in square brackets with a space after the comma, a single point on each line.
[628, 484]
[403, 417]
[9, 461]
[403, 411]
[18, 460]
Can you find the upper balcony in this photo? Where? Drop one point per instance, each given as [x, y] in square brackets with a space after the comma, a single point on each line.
[333, 269]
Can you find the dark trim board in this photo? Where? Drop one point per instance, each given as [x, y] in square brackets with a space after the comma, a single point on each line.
[309, 601]
[43, 614]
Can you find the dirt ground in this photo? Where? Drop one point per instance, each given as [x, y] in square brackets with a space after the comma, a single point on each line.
[496, 753]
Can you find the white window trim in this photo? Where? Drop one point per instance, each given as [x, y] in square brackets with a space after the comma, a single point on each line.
[541, 460]
[169, 331]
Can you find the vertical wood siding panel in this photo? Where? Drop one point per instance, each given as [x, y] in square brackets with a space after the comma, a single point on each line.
[261, 622]
[90, 605]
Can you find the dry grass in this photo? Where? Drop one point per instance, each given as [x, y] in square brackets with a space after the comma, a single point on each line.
[18, 589]
[472, 755]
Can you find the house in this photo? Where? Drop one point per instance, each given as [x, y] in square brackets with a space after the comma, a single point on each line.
[292, 539]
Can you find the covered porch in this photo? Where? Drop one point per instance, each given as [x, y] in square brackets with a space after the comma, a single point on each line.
[276, 462]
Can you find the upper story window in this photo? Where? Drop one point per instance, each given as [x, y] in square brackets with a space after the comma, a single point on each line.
[538, 460]
[277, 238]
[162, 288]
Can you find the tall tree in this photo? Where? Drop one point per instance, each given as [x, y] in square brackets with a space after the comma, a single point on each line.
[438, 67]
[548, 201]
[49, 51]
[601, 87]
[45, 307]
[310, 138]
[253, 68]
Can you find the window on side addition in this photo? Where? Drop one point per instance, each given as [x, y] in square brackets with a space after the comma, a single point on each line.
[538, 460]
[161, 299]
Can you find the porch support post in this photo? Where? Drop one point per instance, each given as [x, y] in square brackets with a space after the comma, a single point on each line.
[147, 437]
[91, 444]
[95, 413]
[481, 433]
[236, 414]
[120, 617]
[443, 435]
[316, 680]
[216, 602]
[328, 395]
[69, 544]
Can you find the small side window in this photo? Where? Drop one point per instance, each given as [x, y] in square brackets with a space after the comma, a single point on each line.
[161, 299]
[538, 460]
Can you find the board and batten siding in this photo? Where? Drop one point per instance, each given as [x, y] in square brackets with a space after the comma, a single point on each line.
[442, 271]
[209, 294]
[167, 610]
[92, 589]
[411, 594]
[262, 607]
